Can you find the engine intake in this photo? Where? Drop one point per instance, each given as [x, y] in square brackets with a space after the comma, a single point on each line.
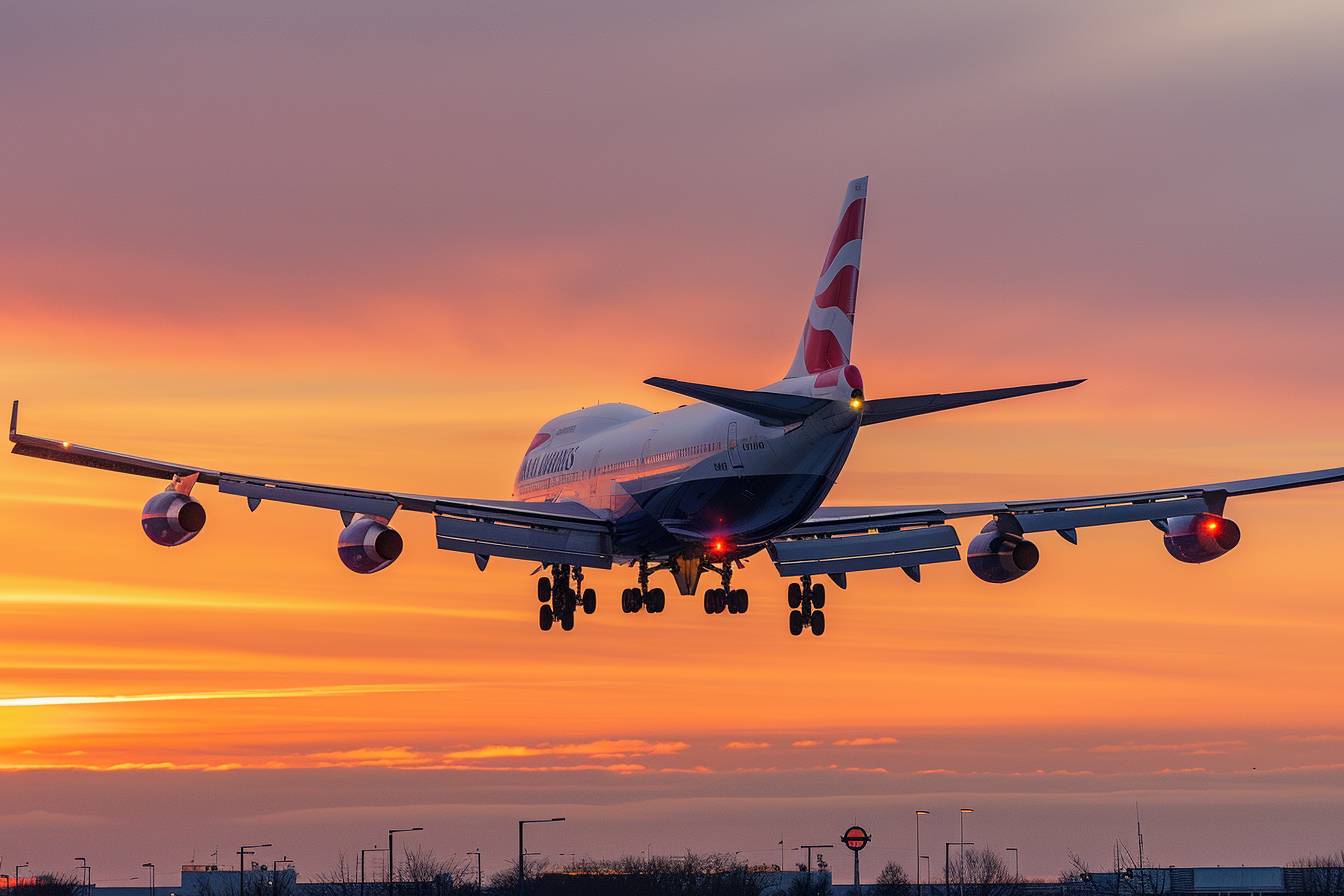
[1201, 537]
[998, 556]
[171, 518]
[368, 545]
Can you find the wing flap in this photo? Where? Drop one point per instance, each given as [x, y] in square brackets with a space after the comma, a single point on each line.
[496, 539]
[855, 553]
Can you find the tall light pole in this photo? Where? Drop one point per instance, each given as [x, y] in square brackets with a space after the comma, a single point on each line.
[153, 882]
[362, 865]
[392, 855]
[1016, 874]
[918, 812]
[927, 870]
[477, 853]
[809, 847]
[243, 852]
[522, 865]
[961, 871]
[88, 872]
[947, 852]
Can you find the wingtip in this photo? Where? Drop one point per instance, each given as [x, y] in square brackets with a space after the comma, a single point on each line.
[14, 420]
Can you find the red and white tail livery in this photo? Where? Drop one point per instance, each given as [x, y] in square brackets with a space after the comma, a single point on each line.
[828, 334]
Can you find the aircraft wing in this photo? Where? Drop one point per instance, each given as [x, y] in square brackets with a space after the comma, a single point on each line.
[541, 531]
[843, 539]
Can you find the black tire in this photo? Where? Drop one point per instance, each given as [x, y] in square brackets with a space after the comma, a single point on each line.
[818, 596]
[570, 601]
[709, 602]
[795, 595]
[589, 601]
[818, 623]
[567, 622]
[745, 601]
[796, 623]
[544, 590]
[545, 618]
[637, 601]
[657, 600]
[720, 600]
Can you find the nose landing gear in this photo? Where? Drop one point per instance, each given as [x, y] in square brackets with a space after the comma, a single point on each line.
[805, 602]
[561, 595]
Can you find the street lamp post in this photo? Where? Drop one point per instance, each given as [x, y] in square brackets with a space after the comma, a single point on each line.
[243, 853]
[477, 853]
[947, 852]
[961, 871]
[86, 877]
[362, 865]
[809, 847]
[153, 882]
[1016, 873]
[918, 812]
[391, 855]
[522, 857]
[926, 870]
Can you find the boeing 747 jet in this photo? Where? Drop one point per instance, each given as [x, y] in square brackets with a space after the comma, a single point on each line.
[701, 488]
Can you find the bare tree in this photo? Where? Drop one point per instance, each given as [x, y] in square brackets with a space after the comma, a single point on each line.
[892, 881]
[47, 884]
[1321, 875]
[343, 880]
[983, 872]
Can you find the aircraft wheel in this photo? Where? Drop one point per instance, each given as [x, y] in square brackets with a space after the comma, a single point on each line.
[818, 596]
[657, 600]
[795, 595]
[637, 601]
[720, 600]
[544, 590]
[740, 600]
[567, 622]
[818, 623]
[545, 617]
[589, 601]
[709, 602]
[796, 623]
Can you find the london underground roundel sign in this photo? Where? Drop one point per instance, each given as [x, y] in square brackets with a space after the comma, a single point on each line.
[856, 838]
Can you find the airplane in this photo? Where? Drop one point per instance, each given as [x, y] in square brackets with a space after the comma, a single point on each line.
[703, 487]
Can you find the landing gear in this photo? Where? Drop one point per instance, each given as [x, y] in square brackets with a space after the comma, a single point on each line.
[734, 600]
[806, 601]
[654, 600]
[559, 595]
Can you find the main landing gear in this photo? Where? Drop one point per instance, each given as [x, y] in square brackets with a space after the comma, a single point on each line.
[805, 602]
[561, 594]
[734, 600]
[652, 600]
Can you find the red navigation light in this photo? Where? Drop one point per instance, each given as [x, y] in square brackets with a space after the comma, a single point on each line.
[1213, 525]
[718, 546]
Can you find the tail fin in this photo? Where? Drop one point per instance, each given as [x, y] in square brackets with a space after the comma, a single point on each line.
[829, 330]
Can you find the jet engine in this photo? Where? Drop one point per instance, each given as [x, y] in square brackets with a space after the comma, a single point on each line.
[1200, 538]
[1000, 555]
[368, 545]
[171, 518]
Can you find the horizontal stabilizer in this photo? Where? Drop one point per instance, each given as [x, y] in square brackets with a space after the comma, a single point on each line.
[770, 408]
[881, 410]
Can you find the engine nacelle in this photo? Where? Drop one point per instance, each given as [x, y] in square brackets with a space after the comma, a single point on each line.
[171, 518]
[1201, 537]
[1001, 556]
[368, 545]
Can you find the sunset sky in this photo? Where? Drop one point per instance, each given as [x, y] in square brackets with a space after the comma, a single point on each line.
[378, 245]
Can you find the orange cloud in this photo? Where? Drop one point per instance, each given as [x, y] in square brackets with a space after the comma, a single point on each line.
[865, 742]
[747, 745]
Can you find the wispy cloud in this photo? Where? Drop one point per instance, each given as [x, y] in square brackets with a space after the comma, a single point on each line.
[747, 745]
[596, 749]
[806, 744]
[335, 690]
[1206, 747]
[865, 741]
